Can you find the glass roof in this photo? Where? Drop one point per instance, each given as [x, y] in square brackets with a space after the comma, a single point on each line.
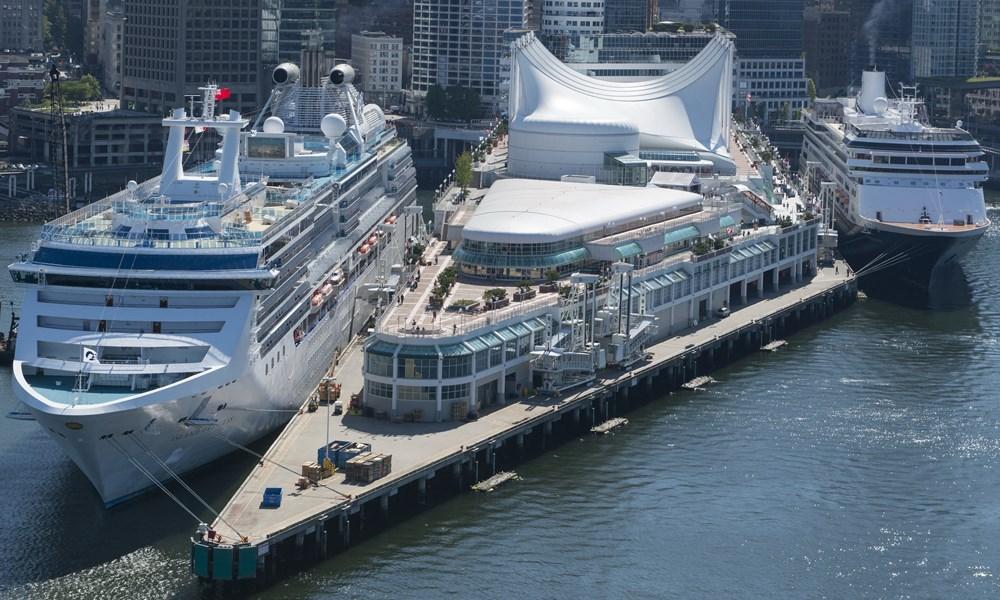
[679, 235]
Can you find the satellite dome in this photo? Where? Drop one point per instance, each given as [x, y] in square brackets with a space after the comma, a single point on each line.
[274, 125]
[333, 125]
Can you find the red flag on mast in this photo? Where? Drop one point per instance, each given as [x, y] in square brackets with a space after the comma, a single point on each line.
[222, 94]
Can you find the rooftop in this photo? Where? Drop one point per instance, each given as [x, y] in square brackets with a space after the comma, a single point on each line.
[531, 210]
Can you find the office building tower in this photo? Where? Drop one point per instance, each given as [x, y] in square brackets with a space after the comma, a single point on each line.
[989, 28]
[571, 17]
[630, 15]
[945, 34]
[827, 41]
[461, 43]
[764, 28]
[21, 25]
[378, 59]
[171, 48]
[298, 20]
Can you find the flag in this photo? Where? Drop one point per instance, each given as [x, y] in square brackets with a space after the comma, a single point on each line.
[222, 94]
[90, 356]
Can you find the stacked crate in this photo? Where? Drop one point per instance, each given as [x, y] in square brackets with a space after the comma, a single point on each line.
[312, 471]
[368, 467]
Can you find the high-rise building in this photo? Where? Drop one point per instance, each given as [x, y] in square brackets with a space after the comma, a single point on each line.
[770, 70]
[171, 48]
[394, 17]
[764, 28]
[110, 56]
[880, 34]
[571, 17]
[945, 34]
[378, 59]
[630, 15]
[827, 37]
[989, 27]
[297, 18]
[21, 25]
[461, 43]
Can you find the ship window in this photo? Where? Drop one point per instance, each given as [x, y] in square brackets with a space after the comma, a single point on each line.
[163, 302]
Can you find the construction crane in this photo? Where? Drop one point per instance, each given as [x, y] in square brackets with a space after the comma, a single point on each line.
[56, 103]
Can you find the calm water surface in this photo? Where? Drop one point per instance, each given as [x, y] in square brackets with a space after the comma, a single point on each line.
[857, 462]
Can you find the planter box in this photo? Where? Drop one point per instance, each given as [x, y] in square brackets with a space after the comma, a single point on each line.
[520, 296]
[549, 287]
[495, 304]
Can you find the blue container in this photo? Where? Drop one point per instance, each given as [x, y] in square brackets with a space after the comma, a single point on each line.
[341, 451]
[335, 447]
[272, 498]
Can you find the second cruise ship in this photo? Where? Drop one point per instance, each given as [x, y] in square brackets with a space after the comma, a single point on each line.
[908, 199]
[190, 314]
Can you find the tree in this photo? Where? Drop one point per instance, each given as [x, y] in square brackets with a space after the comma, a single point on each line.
[435, 102]
[463, 171]
[462, 103]
[811, 89]
[81, 90]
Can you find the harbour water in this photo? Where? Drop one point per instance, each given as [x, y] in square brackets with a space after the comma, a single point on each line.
[857, 461]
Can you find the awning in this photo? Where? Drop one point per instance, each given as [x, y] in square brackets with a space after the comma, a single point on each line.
[418, 352]
[628, 250]
[382, 348]
[536, 324]
[455, 350]
[506, 335]
[727, 221]
[688, 232]
[520, 329]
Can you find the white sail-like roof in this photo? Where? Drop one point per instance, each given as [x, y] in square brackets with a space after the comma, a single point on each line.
[556, 109]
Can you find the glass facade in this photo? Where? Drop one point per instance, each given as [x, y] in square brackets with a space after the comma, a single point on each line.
[945, 38]
[629, 15]
[764, 28]
[460, 43]
[299, 16]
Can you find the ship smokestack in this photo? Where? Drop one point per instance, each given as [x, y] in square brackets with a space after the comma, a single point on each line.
[872, 99]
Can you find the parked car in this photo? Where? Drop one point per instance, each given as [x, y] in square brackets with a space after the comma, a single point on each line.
[723, 312]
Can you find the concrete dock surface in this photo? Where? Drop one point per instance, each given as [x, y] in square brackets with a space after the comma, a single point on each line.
[417, 448]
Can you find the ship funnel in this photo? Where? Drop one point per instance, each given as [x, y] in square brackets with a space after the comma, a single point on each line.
[285, 73]
[872, 100]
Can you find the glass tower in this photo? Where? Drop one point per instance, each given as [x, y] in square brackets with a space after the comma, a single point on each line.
[764, 28]
[945, 38]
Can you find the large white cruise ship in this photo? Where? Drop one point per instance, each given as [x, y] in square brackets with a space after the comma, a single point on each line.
[195, 311]
[908, 197]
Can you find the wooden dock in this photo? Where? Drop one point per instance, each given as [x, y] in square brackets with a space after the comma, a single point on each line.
[259, 546]
[609, 425]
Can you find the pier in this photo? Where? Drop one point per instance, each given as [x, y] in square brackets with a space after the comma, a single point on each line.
[255, 546]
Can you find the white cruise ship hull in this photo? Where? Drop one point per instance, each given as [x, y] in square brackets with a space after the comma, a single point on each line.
[216, 411]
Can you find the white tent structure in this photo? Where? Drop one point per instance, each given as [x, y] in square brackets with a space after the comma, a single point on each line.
[562, 122]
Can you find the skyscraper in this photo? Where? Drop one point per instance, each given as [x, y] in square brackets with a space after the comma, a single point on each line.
[989, 27]
[945, 34]
[460, 43]
[297, 18]
[764, 28]
[21, 25]
[629, 15]
[572, 17]
[170, 48]
[770, 70]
